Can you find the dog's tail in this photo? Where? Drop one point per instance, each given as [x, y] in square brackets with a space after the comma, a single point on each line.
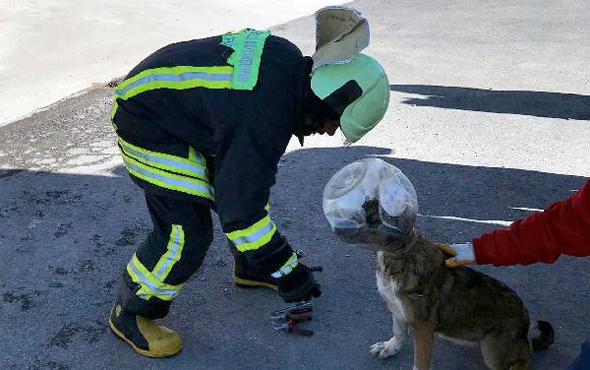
[541, 335]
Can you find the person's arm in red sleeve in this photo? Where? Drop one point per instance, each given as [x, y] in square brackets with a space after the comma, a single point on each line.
[562, 228]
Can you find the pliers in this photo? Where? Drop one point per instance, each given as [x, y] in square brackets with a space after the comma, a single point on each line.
[286, 319]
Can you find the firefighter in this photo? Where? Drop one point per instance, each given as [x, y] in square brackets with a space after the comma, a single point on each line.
[201, 126]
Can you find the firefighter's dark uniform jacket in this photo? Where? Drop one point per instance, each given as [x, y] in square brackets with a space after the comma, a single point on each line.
[204, 123]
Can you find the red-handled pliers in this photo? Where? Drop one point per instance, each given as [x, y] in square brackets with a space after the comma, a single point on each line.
[286, 319]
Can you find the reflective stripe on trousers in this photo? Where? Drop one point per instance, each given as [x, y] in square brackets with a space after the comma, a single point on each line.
[185, 175]
[152, 282]
[254, 236]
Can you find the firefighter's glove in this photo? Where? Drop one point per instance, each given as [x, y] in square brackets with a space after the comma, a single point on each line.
[299, 285]
[461, 254]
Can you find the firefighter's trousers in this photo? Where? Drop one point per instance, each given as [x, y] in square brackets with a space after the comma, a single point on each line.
[172, 252]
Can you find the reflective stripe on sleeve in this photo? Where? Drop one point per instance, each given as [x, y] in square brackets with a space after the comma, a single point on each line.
[287, 267]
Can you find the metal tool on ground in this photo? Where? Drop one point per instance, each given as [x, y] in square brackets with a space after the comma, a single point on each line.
[286, 319]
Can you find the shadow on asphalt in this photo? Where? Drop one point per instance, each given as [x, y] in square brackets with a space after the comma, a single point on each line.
[530, 103]
[65, 238]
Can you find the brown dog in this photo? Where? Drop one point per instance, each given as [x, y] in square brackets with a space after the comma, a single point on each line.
[460, 304]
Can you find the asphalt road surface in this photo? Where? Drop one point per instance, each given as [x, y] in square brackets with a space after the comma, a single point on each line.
[489, 119]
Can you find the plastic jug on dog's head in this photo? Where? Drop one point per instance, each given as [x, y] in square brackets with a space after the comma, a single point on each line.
[348, 192]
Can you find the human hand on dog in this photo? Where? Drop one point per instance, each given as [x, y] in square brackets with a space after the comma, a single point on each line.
[461, 254]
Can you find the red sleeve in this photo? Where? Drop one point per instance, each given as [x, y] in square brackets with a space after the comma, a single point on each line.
[563, 228]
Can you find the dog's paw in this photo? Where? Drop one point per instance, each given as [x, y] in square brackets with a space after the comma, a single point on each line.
[385, 349]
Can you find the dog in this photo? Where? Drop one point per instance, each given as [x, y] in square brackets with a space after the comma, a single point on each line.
[461, 304]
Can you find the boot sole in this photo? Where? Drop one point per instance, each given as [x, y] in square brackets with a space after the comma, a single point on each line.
[143, 352]
[245, 283]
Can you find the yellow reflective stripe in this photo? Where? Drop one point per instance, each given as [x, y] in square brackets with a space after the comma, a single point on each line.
[177, 78]
[192, 155]
[254, 236]
[173, 71]
[168, 180]
[172, 255]
[251, 229]
[193, 166]
[175, 85]
[150, 286]
[114, 109]
[287, 267]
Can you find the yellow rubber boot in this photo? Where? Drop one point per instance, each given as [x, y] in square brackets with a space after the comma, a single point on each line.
[143, 335]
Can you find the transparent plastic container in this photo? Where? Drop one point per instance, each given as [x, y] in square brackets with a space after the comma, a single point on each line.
[352, 188]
